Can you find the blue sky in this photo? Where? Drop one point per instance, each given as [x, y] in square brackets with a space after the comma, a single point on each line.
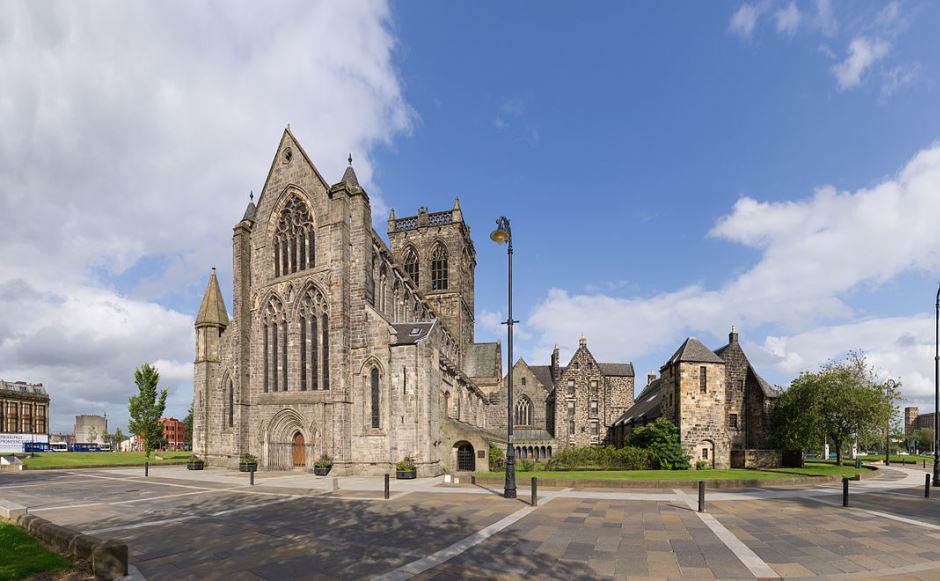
[669, 170]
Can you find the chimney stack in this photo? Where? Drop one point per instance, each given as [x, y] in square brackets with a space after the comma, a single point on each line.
[733, 336]
[556, 368]
[650, 378]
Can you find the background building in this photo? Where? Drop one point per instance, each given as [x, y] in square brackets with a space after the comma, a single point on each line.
[174, 432]
[90, 428]
[24, 414]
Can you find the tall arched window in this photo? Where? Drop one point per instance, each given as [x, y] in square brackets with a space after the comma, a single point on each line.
[326, 350]
[411, 264]
[523, 411]
[312, 307]
[231, 404]
[396, 302]
[383, 289]
[294, 239]
[273, 325]
[439, 267]
[375, 397]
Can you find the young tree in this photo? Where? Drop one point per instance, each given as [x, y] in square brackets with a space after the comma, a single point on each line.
[107, 438]
[923, 439]
[92, 434]
[842, 401]
[147, 407]
[188, 423]
[118, 438]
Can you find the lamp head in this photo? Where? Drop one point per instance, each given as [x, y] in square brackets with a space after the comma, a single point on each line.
[502, 233]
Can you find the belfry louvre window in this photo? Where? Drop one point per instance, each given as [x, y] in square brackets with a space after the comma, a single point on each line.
[374, 379]
[439, 267]
[294, 239]
[703, 379]
[411, 264]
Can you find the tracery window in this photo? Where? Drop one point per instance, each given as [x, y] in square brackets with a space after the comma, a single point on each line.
[523, 413]
[273, 323]
[375, 397]
[312, 309]
[411, 264]
[326, 350]
[294, 239]
[439, 267]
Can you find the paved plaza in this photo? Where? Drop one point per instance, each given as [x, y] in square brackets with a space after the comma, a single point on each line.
[211, 525]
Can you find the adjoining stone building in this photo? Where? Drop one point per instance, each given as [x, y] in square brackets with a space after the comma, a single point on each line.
[338, 344]
[721, 405]
[555, 407]
[24, 414]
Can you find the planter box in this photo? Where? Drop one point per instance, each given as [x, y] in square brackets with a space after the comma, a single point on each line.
[322, 471]
[245, 467]
[195, 465]
[406, 474]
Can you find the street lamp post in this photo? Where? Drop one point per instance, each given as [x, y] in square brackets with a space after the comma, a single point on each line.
[502, 234]
[936, 401]
[890, 386]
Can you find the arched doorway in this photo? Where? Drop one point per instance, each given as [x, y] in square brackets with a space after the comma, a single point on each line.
[466, 461]
[299, 450]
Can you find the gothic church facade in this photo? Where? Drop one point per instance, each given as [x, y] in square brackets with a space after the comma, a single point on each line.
[339, 345]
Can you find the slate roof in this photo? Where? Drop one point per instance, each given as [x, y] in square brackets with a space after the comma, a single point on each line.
[544, 374]
[692, 350]
[482, 359]
[349, 177]
[646, 405]
[212, 310]
[617, 369]
[524, 434]
[769, 390]
[250, 212]
[411, 333]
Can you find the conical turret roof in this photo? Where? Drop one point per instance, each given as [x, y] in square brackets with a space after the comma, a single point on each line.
[212, 310]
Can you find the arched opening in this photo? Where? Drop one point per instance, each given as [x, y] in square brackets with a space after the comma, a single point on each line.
[298, 450]
[466, 458]
[706, 452]
[523, 411]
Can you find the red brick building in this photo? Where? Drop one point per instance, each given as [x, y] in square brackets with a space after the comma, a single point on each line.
[174, 432]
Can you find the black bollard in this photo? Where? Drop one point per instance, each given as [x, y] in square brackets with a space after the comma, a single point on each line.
[926, 485]
[386, 487]
[535, 491]
[701, 496]
[252, 477]
[147, 468]
[845, 491]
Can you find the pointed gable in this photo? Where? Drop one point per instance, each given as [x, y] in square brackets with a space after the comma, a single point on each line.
[289, 151]
[693, 351]
[212, 310]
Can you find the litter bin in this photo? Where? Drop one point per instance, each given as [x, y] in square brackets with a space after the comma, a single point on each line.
[858, 463]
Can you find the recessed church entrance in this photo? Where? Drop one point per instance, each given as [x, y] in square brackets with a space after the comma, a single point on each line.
[297, 445]
[465, 458]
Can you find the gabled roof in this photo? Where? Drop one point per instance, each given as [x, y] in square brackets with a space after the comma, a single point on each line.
[646, 406]
[617, 369]
[692, 350]
[212, 310]
[544, 374]
[769, 390]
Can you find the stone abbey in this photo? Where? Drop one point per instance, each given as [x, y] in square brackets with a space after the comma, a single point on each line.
[344, 346]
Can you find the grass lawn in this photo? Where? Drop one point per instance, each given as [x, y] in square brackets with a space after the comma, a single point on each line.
[811, 469]
[22, 556]
[910, 458]
[79, 459]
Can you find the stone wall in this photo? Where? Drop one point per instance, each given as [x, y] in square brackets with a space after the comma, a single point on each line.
[580, 384]
[736, 372]
[702, 415]
[756, 459]
[525, 384]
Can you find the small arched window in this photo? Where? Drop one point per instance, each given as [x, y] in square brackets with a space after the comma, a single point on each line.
[523, 415]
[374, 378]
[231, 404]
[294, 239]
[411, 264]
[439, 267]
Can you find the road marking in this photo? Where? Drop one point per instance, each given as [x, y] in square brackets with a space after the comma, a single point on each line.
[189, 517]
[748, 558]
[421, 565]
[886, 515]
[146, 499]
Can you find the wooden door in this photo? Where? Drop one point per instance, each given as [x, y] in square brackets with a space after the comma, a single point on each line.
[300, 455]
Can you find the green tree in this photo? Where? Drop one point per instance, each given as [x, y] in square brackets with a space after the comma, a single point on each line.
[118, 438]
[496, 457]
[923, 439]
[842, 401]
[147, 407]
[188, 423]
[92, 433]
[661, 438]
[107, 437]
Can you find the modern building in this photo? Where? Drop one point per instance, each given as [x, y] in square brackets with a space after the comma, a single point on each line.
[721, 405]
[90, 428]
[174, 432]
[24, 414]
[911, 415]
[340, 344]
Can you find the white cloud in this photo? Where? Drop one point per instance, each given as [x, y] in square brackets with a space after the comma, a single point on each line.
[788, 19]
[863, 53]
[825, 19]
[142, 144]
[813, 253]
[745, 18]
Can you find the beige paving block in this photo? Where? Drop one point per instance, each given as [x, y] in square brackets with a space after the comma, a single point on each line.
[791, 570]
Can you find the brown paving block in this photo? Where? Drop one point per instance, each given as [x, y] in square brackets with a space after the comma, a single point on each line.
[697, 573]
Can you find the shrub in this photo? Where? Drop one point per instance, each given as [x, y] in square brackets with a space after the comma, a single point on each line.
[600, 458]
[527, 465]
[248, 459]
[496, 457]
[324, 462]
[661, 438]
[406, 465]
[702, 465]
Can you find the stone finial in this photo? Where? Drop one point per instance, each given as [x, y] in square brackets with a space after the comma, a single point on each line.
[391, 220]
[583, 340]
[457, 213]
